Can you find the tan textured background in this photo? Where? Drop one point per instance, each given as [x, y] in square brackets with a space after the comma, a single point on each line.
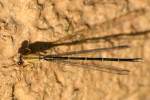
[50, 20]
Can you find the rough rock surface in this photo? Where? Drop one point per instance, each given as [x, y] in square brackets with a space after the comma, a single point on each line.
[125, 22]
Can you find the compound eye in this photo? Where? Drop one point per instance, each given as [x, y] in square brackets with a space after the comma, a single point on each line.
[20, 62]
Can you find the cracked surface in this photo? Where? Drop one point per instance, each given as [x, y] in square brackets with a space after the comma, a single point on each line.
[98, 24]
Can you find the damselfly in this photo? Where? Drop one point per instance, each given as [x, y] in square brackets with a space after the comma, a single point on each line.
[30, 51]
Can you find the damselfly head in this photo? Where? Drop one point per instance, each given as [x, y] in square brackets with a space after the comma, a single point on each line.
[18, 59]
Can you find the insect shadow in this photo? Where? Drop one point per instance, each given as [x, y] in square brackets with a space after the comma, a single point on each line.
[39, 46]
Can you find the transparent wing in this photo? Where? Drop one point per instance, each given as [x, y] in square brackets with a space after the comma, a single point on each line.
[93, 50]
[101, 67]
